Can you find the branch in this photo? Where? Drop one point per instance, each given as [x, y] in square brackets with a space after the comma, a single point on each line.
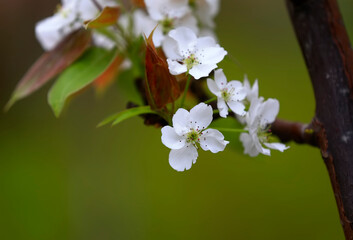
[295, 131]
[329, 58]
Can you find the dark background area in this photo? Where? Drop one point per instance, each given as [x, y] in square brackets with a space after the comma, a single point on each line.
[65, 179]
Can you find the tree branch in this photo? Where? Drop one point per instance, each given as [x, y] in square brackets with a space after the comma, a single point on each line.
[295, 131]
[329, 58]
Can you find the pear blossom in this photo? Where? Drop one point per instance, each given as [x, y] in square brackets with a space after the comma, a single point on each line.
[229, 94]
[205, 11]
[164, 15]
[187, 53]
[68, 18]
[260, 115]
[190, 129]
[161, 10]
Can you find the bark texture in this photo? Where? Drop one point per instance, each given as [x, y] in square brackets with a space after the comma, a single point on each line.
[329, 58]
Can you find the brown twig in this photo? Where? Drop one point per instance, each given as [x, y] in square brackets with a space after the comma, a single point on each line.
[295, 131]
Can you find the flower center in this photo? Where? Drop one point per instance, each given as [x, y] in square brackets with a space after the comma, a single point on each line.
[227, 94]
[264, 134]
[193, 137]
[191, 61]
[167, 25]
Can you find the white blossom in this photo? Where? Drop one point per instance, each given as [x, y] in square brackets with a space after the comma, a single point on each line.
[190, 129]
[166, 15]
[260, 115]
[68, 18]
[160, 10]
[205, 11]
[229, 94]
[187, 53]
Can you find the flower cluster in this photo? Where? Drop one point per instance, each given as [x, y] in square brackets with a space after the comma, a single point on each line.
[181, 48]
[70, 16]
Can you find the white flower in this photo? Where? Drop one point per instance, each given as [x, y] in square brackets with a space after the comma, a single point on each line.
[166, 15]
[189, 129]
[52, 30]
[160, 10]
[260, 115]
[69, 17]
[229, 94]
[251, 92]
[187, 53]
[206, 10]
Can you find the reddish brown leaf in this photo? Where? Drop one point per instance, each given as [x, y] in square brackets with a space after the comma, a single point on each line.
[106, 18]
[109, 75]
[162, 87]
[51, 64]
[138, 3]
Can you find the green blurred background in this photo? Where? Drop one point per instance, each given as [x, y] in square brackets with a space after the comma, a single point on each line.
[65, 179]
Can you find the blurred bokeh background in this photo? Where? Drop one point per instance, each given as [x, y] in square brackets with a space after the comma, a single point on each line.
[65, 179]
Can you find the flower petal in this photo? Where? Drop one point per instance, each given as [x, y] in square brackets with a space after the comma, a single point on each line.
[201, 116]
[269, 111]
[188, 21]
[211, 55]
[277, 146]
[239, 92]
[254, 92]
[220, 78]
[170, 48]
[237, 107]
[182, 159]
[176, 68]
[185, 38]
[248, 144]
[206, 42]
[201, 70]
[265, 151]
[181, 121]
[212, 140]
[235, 84]
[171, 139]
[213, 87]
[52, 30]
[222, 107]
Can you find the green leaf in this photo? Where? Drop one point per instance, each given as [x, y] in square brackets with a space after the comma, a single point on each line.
[78, 76]
[126, 114]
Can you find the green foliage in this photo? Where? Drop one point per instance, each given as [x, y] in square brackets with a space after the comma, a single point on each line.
[126, 114]
[78, 76]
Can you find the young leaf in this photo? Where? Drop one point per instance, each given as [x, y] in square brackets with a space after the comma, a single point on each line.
[162, 87]
[126, 114]
[79, 75]
[106, 18]
[51, 64]
[109, 75]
